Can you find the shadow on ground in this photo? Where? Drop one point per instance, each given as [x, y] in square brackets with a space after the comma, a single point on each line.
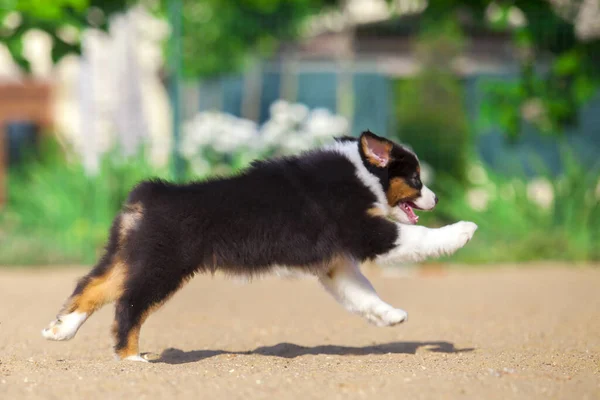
[290, 350]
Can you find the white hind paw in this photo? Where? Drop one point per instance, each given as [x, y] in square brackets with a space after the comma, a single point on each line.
[137, 357]
[64, 327]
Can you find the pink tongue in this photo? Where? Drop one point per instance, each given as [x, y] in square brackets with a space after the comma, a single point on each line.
[411, 214]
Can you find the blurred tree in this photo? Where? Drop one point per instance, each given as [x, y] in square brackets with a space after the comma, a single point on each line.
[545, 32]
[219, 35]
[63, 20]
[430, 107]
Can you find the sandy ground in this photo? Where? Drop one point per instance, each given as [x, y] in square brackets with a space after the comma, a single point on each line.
[483, 333]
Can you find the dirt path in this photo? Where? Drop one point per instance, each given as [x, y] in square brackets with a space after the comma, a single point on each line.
[484, 334]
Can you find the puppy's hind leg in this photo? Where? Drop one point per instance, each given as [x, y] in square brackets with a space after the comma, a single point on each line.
[353, 291]
[102, 285]
[149, 287]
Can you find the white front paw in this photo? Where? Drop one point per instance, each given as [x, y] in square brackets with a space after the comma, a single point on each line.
[465, 230]
[458, 234]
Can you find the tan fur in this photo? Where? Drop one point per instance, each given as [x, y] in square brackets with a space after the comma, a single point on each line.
[399, 191]
[100, 290]
[133, 339]
[108, 287]
[376, 212]
[334, 263]
[133, 343]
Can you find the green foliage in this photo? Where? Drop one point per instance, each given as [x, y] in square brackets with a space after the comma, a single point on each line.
[430, 110]
[549, 102]
[500, 107]
[58, 214]
[52, 17]
[547, 37]
[220, 35]
[513, 227]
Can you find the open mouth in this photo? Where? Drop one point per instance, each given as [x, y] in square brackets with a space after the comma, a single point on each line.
[408, 209]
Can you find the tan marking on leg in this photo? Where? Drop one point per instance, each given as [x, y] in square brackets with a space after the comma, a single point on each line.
[133, 343]
[133, 339]
[100, 290]
[334, 263]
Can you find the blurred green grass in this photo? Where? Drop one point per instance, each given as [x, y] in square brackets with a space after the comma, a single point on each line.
[514, 227]
[59, 215]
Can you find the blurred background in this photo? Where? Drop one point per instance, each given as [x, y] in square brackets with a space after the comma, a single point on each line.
[500, 99]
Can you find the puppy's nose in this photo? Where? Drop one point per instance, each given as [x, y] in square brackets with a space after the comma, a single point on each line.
[435, 198]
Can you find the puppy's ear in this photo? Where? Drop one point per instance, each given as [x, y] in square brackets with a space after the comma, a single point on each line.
[377, 150]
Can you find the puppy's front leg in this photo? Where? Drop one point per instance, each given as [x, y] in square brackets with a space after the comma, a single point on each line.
[415, 243]
[353, 291]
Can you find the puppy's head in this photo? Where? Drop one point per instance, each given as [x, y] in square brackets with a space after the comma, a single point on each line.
[398, 171]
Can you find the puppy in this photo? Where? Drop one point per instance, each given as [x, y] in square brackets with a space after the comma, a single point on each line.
[322, 212]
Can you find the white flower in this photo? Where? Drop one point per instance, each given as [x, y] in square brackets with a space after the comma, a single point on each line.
[540, 191]
[533, 110]
[478, 199]
[298, 112]
[477, 174]
[291, 128]
[322, 124]
[278, 107]
[295, 144]
[200, 166]
[223, 132]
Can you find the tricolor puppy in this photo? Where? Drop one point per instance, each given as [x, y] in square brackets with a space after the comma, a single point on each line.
[322, 212]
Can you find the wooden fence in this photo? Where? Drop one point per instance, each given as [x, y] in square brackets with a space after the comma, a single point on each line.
[21, 101]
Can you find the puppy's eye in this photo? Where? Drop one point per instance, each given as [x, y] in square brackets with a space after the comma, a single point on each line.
[417, 181]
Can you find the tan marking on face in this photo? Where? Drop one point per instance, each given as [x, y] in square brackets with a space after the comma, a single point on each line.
[383, 147]
[400, 190]
[100, 290]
